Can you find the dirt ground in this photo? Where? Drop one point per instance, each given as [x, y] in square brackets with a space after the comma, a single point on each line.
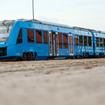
[53, 82]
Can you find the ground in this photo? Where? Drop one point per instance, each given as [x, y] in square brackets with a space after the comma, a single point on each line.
[53, 82]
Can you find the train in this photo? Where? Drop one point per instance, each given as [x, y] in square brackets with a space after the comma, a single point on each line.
[40, 40]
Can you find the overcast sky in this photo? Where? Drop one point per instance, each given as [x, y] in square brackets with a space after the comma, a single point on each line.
[81, 13]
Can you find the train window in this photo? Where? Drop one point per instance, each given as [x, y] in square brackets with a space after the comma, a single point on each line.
[60, 40]
[76, 39]
[81, 40]
[89, 41]
[85, 40]
[45, 34]
[30, 35]
[104, 42]
[101, 42]
[97, 41]
[65, 41]
[38, 36]
[19, 39]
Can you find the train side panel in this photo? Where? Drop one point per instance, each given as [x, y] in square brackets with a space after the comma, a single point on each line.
[83, 43]
[99, 43]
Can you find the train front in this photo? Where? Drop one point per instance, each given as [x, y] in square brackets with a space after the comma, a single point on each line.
[5, 29]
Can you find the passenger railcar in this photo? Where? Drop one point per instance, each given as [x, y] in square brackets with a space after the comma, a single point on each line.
[83, 44]
[38, 40]
[99, 43]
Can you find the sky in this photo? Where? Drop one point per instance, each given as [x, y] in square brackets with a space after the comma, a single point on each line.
[81, 13]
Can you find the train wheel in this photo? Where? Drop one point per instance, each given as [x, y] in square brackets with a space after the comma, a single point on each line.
[24, 58]
[35, 55]
[30, 56]
[100, 55]
[79, 57]
[87, 55]
[18, 59]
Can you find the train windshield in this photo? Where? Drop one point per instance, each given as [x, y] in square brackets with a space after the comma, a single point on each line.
[5, 29]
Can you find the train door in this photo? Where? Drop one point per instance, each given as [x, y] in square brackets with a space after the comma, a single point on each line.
[71, 44]
[53, 44]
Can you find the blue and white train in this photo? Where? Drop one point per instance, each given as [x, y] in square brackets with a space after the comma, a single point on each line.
[39, 40]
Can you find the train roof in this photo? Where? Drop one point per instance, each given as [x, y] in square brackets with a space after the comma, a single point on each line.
[47, 23]
[9, 22]
[91, 30]
[62, 25]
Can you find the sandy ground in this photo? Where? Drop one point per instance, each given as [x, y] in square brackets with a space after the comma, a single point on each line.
[53, 82]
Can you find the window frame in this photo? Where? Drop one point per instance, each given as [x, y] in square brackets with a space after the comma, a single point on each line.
[104, 42]
[60, 41]
[82, 40]
[86, 44]
[43, 38]
[101, 44]
[89, 41]
[40, 42]
[21, 37]
[33, 35]
[77, 40]
[65, 43]
[97, 44]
